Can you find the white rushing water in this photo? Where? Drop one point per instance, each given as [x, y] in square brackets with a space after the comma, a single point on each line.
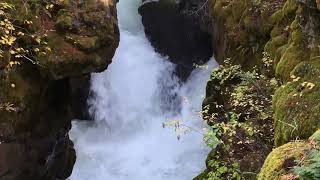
[133, 98]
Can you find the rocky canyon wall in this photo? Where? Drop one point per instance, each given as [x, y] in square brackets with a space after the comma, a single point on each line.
[286, 32]
[272, 51]
[62, 42]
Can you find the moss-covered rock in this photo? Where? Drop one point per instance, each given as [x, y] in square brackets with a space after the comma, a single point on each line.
[81, 35]
[297, 104]
[296, 51]
[85, 41]
[289, 35]
[288, 32]
[62, 39]
[241, 29]
[281, 160]
[294, 160]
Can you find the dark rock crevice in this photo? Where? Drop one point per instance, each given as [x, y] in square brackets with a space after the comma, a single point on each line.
[80, 92]
[173, 33]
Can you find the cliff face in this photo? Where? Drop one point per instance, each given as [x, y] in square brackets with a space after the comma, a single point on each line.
[61, 42]
[287, 33]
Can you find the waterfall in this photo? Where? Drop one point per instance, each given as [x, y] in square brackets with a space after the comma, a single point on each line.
[132, 99]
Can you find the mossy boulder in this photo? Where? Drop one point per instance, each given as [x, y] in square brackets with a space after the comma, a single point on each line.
[85, 40]
[81, 36]
[297, 104]
[281, 160]
[294, 160]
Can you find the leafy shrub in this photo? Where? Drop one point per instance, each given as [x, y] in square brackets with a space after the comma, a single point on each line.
[18, 40]
[309, 167]
[311, 170]
[238, 108]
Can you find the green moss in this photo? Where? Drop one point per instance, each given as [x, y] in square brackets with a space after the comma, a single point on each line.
[290, 35]
[273, 46]
[296, 52]
[275, 166]
[298, 159]
[297, 106]
[86, 43]
[276, 17]
[238, 8]
[64, 22]
[292, 56]
[289, 8]
[66, 59]
[247, 25]
[82, 48]
[316, 136]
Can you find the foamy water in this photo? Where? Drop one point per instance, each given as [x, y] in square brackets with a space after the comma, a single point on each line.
[133, 98]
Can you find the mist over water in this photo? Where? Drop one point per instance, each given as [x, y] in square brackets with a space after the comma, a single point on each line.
[132, 99]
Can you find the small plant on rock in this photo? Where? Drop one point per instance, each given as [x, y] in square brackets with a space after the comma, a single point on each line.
[238, 108]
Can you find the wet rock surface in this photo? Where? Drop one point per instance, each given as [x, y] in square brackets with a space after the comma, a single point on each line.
[176, 35]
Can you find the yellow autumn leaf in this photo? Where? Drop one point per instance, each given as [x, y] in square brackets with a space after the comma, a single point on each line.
[310, 85]
[20, 34]
[38, 40]
[48, 49]
[11, 40]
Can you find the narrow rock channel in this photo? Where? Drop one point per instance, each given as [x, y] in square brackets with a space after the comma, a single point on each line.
[133, 98]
